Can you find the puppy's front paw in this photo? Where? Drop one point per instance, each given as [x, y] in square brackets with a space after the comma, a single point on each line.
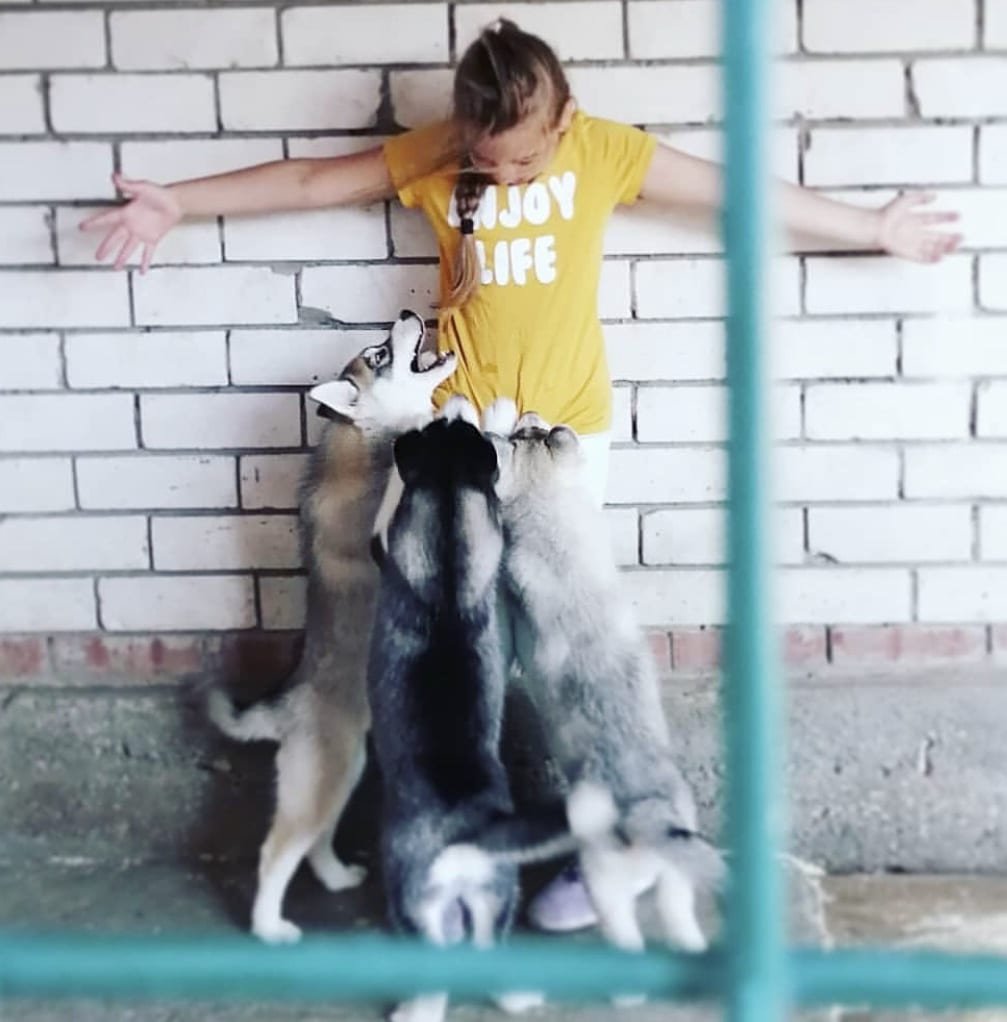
[518, 1002]
[277, 931]
[429, 1008]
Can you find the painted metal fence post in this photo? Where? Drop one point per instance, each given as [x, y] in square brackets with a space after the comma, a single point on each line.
[756, 962]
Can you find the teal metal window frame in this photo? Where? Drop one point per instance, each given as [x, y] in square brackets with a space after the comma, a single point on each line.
[751, 970]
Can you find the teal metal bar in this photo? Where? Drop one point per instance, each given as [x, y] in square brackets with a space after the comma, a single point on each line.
[884, 978]
[757, 990]
[375, 968]
[371, 968]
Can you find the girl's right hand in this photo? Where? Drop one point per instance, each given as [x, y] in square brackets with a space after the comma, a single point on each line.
[152, 210]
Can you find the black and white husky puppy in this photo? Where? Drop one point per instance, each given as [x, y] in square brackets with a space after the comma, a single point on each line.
[437, 684]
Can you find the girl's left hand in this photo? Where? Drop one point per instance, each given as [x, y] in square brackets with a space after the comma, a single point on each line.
[906, 231]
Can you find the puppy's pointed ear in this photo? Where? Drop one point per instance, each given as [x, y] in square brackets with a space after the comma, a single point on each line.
[563, 439]
[479, 453]
[409, 450]
[339, 396]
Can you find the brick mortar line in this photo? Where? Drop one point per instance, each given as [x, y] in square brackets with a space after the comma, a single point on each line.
[788, 58]
[901, 568]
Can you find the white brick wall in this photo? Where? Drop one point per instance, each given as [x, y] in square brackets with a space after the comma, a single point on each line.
[128, 102]
[324, 234]
[962, 594]
[294, 357]
[954, 346]
[993, 154]
[21, 110]
[961, 86]
[36, 484]
[992, 412]
[913, 533]
[167, 408]
[47, 604]
[956, 470]
[993, 282]
[221, 420]
[887, 411]
[405, 34]
[298, 100]
[993, 532]
[170, 161]
[67, 544]
[30, 362]
[598, 34]
[226, 294]
[696, 536]
[225, 542]
[55, 170]
[888, 155]
[77, 422]
[660, 94]
[996, 24]
[877, 284]
[185, 40]
[177, 602]
[196, 359]
[64, 299]
[271, 480]
[157, 481]
[57, 40]
[853, 595]
[863, 26]
[825, 89]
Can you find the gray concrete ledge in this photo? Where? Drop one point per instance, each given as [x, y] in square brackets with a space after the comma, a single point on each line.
[884, 774]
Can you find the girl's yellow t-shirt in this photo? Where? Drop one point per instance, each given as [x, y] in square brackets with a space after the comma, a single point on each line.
[531, 332]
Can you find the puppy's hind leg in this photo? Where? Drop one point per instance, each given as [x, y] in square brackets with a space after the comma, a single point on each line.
[676, 905]
[440, 922]
[347, 767]
[489, 917]
[300, 793]
[607, 875]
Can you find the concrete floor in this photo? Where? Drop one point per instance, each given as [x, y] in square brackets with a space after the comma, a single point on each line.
[961, 913]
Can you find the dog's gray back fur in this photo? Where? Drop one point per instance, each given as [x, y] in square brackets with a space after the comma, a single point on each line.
[589, 669]
[436, 674]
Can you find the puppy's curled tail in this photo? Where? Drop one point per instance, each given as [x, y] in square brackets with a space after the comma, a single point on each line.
[254, 723]
[591, 812]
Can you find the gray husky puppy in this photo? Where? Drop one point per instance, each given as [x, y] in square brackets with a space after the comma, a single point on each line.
[589, 672]
[320, 717]
[437, 683]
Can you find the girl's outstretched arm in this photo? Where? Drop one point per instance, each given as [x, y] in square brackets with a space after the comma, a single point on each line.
[900, 227]
[152, 209]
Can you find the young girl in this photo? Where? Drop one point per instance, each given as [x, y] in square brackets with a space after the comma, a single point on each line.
[518, 186]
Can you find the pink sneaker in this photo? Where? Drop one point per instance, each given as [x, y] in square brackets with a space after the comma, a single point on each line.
[563, 904]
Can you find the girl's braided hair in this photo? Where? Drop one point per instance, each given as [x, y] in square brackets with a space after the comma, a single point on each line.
[503, 77]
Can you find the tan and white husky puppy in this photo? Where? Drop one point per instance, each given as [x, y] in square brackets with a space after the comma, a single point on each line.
[320, 717]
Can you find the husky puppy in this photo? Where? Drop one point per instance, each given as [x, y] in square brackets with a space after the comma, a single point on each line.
[590, 675]
[320, 717]
[437, 684]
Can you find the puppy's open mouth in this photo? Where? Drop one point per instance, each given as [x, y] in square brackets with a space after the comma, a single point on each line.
[426, 358]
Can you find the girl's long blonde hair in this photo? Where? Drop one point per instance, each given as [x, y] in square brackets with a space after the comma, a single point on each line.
[503, 77]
